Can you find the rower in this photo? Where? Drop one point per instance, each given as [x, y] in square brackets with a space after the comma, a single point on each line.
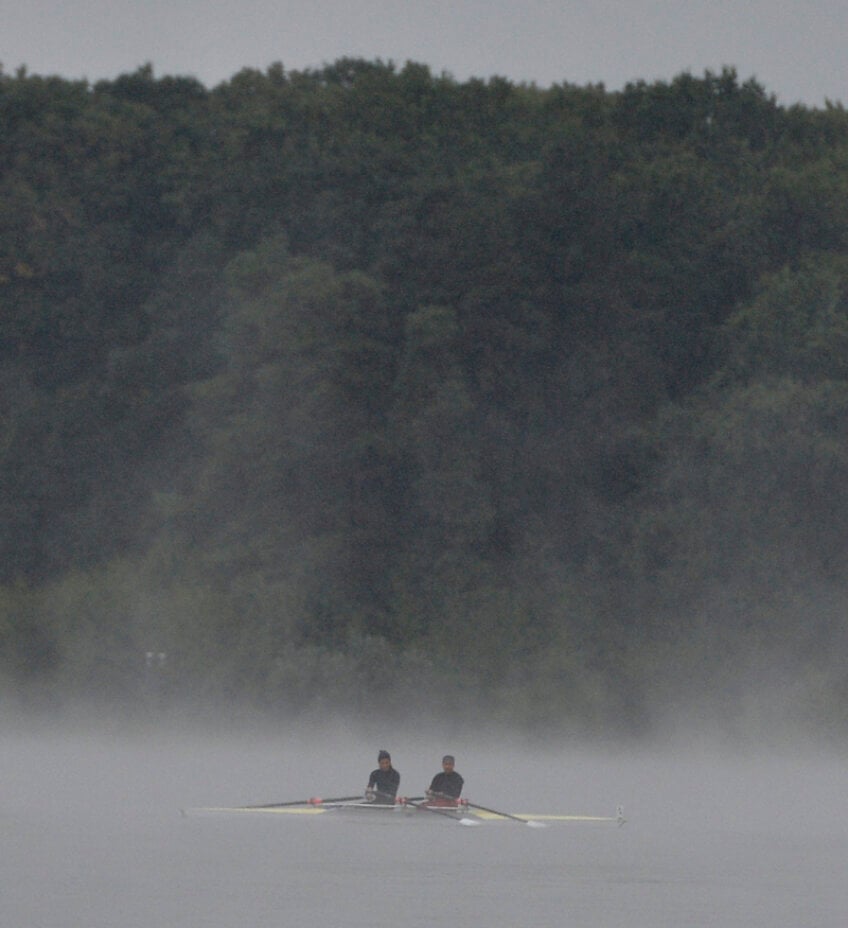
[448, 783]
[384, 781]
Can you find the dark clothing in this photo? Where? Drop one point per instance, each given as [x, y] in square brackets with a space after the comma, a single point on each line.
[386, 783]
[448, 784]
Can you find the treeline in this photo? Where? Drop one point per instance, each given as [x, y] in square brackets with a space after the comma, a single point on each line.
[365, 387]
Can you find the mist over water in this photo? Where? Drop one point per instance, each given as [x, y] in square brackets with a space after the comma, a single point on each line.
[92, 833]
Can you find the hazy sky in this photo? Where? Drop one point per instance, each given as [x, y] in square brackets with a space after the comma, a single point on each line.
[795, 48]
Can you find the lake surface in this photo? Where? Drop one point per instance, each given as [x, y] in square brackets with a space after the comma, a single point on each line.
[91, 836]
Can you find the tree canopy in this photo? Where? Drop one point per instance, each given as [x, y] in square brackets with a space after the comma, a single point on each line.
[528, 397]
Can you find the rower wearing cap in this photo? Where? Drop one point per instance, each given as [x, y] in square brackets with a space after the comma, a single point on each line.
[384, 781]
[448, 783]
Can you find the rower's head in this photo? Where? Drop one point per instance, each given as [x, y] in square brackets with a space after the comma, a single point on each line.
[447, 763]
[384, 760]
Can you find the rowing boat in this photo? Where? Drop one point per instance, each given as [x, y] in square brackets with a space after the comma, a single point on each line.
[462, 811]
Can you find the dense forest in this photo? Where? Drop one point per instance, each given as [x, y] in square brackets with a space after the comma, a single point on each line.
[363, 387]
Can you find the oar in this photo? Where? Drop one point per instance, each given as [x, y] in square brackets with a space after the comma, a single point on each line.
[447, 813]
[509, 815]
[314, 801]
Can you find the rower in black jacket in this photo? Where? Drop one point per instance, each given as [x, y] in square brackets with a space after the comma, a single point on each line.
[384, 781]
[448, 783]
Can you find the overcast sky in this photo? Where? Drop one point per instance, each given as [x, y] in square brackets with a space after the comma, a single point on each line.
[798, 49]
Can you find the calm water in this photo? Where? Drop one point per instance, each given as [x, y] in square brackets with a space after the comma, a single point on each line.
[91, 837]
